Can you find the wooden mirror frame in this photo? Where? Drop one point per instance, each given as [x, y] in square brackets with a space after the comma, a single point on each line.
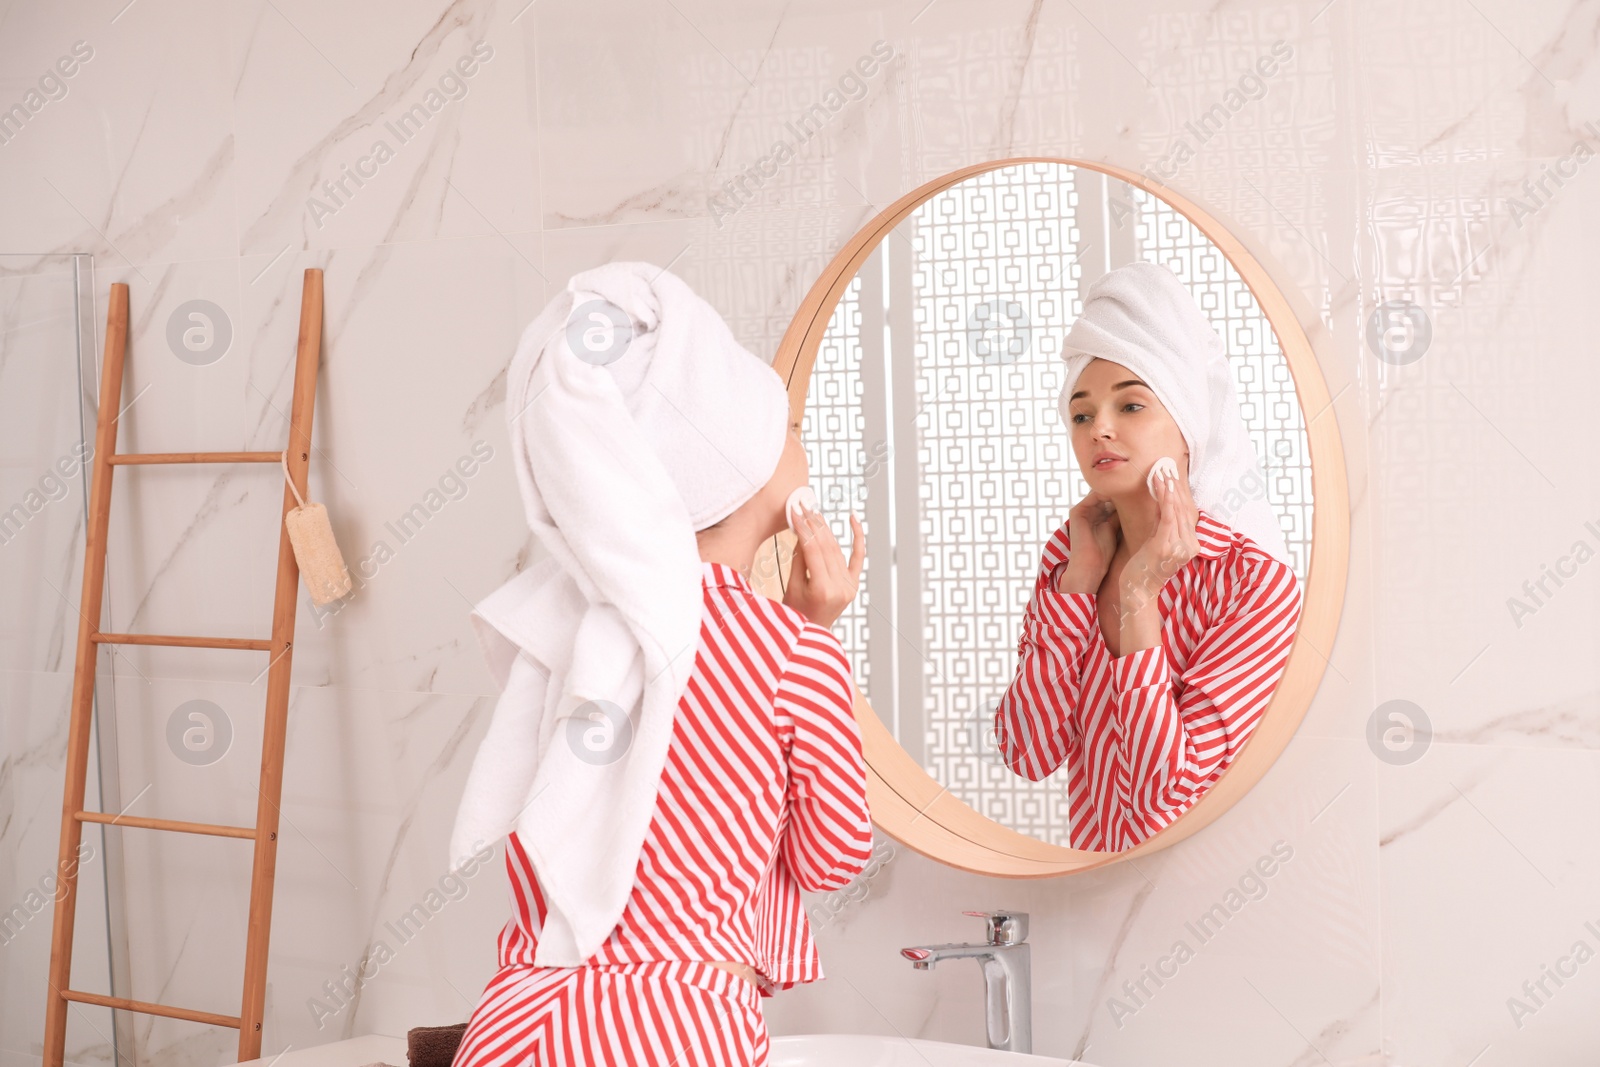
[906, 802]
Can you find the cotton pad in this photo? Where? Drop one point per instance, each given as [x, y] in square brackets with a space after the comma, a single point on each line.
[1165, 463]
[802, 497]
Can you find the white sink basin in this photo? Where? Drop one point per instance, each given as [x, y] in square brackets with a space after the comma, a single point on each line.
[866, 1050]
[798, 1050]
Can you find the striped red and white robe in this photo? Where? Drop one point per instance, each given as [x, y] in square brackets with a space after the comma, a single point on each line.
[763, 794]
[1145, 734]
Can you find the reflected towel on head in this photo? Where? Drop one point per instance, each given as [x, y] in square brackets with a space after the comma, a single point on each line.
[1141, 316]
[636, 419]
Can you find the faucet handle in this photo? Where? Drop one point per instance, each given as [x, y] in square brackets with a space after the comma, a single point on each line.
[1004, 927]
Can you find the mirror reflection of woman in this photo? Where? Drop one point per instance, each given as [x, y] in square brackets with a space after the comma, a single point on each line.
[1164, 608]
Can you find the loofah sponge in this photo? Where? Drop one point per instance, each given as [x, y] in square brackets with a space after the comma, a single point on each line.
[315, 550]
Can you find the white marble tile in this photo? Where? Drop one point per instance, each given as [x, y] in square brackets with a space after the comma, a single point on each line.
[682, 117]
[135, 159]
[382, 123]
[1500, 657]
[1485, 885]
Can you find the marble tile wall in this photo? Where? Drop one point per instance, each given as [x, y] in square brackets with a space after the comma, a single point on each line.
[197, 151]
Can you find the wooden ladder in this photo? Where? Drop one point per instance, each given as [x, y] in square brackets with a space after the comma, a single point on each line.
[279, 646]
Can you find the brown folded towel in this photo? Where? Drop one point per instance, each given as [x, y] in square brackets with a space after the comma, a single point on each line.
[433, 1046]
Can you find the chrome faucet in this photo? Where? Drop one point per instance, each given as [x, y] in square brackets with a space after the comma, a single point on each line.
[1007, 978]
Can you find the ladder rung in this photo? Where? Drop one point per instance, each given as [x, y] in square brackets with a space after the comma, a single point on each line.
[241, 643]
[190, 1014]
[214, 829]
[195, 457]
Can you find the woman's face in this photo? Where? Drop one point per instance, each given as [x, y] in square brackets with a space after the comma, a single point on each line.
[1110, 416]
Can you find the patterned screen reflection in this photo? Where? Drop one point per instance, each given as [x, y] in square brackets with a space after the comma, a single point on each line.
[931, 413]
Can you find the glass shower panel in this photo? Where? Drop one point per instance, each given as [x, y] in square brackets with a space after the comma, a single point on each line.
[48, 382]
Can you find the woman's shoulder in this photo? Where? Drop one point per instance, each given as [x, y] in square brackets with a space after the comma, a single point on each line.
[1244, 570]
[771, 640]
[1218, 540]
[798, 641]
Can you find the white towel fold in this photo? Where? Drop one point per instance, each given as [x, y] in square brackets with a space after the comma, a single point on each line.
[620, 458]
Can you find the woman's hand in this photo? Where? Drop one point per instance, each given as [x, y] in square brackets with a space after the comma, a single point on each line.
[1094, 528]
[821, 584]
[1171, 545]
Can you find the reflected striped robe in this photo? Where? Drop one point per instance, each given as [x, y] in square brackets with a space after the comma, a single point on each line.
[1144, 735]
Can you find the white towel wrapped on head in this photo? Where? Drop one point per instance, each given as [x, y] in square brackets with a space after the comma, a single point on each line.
[622, 452]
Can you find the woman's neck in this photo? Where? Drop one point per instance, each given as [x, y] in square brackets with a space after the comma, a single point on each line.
[738, 552]
[1137, 519]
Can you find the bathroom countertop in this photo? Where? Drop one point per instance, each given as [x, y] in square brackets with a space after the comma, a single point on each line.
[354, 1052]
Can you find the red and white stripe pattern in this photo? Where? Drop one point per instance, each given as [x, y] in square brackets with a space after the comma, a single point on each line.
[763, 794]
[1143, 735]
[672, 1013]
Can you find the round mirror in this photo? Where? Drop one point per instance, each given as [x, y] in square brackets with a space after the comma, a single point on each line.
[925, 368]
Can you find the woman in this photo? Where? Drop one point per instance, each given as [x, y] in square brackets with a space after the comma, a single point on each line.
[1156, 631]
[666, 822]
